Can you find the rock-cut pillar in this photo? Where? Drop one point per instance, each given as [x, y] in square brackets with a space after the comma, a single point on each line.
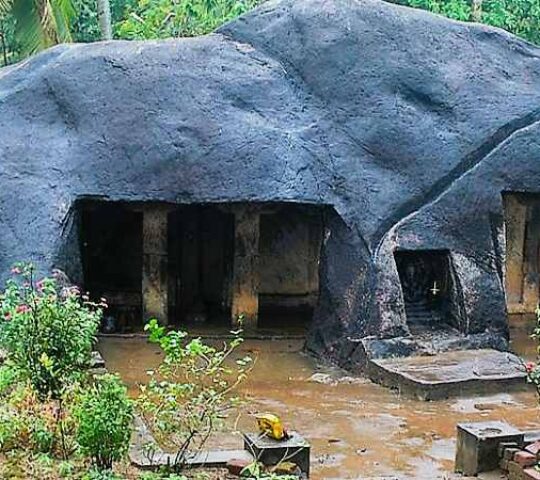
[516, 221]
[245, 280]
[154, 274]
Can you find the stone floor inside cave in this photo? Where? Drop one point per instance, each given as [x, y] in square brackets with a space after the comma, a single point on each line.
[342, 415]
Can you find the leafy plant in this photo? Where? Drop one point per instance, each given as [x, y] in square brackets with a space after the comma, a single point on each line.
[521, 17]
[104, 414]
[256, 471]
[28, 423]
[42, 436]
[66, 469]
[192, 391]
[170, 18]
[39, 23]
[85, 27]
[8, 379]
[158, 476]
[47, 331]
[98, 474]
[533, 368]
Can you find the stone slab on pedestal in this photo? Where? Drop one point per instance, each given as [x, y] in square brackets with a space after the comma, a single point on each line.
[450, 374]
[272, 452]
[155, 458]
[477, 445]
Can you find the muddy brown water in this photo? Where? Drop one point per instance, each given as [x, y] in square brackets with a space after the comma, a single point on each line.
[357, 429]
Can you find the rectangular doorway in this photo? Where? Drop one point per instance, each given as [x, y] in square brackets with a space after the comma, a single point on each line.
[201, 241]
[112, 251]
[428, 290]
[290, 244]
[522, 228]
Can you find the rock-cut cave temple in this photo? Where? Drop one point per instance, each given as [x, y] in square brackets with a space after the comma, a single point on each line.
[363, 172]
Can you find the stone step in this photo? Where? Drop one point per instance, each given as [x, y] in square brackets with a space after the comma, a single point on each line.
[449, 374]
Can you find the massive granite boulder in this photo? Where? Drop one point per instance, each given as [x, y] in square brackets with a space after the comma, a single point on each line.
[405, 125]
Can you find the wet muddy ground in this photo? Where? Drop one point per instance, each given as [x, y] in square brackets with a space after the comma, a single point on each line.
[357, 429]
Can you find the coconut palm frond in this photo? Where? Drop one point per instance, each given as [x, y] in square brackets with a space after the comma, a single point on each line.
[5, 7]
[29, 27]
[63, 14]
[42, 23]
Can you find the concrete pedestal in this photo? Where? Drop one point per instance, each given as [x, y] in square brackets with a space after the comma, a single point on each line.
[272, 452]
[477, 445]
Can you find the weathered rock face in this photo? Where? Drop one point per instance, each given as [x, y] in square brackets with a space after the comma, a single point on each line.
[407, 126]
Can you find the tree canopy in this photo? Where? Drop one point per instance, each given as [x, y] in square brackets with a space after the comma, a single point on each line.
[521, 17]
[152, 19]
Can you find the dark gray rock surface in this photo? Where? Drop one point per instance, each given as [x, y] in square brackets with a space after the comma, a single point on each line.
[406, 125]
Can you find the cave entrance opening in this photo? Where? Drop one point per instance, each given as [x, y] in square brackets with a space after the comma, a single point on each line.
[203, 266]
[201, 247]
[522, 229]
[112, 257]
[290, 247]
[428, 289]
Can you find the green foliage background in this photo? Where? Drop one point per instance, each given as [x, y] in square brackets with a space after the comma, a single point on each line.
[151, 19]
[521, 17]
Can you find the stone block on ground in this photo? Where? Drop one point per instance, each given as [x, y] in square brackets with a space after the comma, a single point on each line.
[507, 449]
[507, 456]
[478, 443]
[271, 452]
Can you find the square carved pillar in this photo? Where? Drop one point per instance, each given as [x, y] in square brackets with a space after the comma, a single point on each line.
[516, 221]
[154, 274]
[245, 279]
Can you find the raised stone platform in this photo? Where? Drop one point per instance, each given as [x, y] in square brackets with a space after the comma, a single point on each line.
[450, 374]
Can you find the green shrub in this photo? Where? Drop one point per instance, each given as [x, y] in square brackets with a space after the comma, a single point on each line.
[170, 18]
[533, 368]
[47, 331]
[159, 476]
[8, 379]
[194, 391]
[42, 436]
[9, 430]
[104, 414]
[97, 474]
[66, 469]
[27, 423]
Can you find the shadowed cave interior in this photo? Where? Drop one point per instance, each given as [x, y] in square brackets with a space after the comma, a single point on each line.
[197, 262]
[429, 290]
